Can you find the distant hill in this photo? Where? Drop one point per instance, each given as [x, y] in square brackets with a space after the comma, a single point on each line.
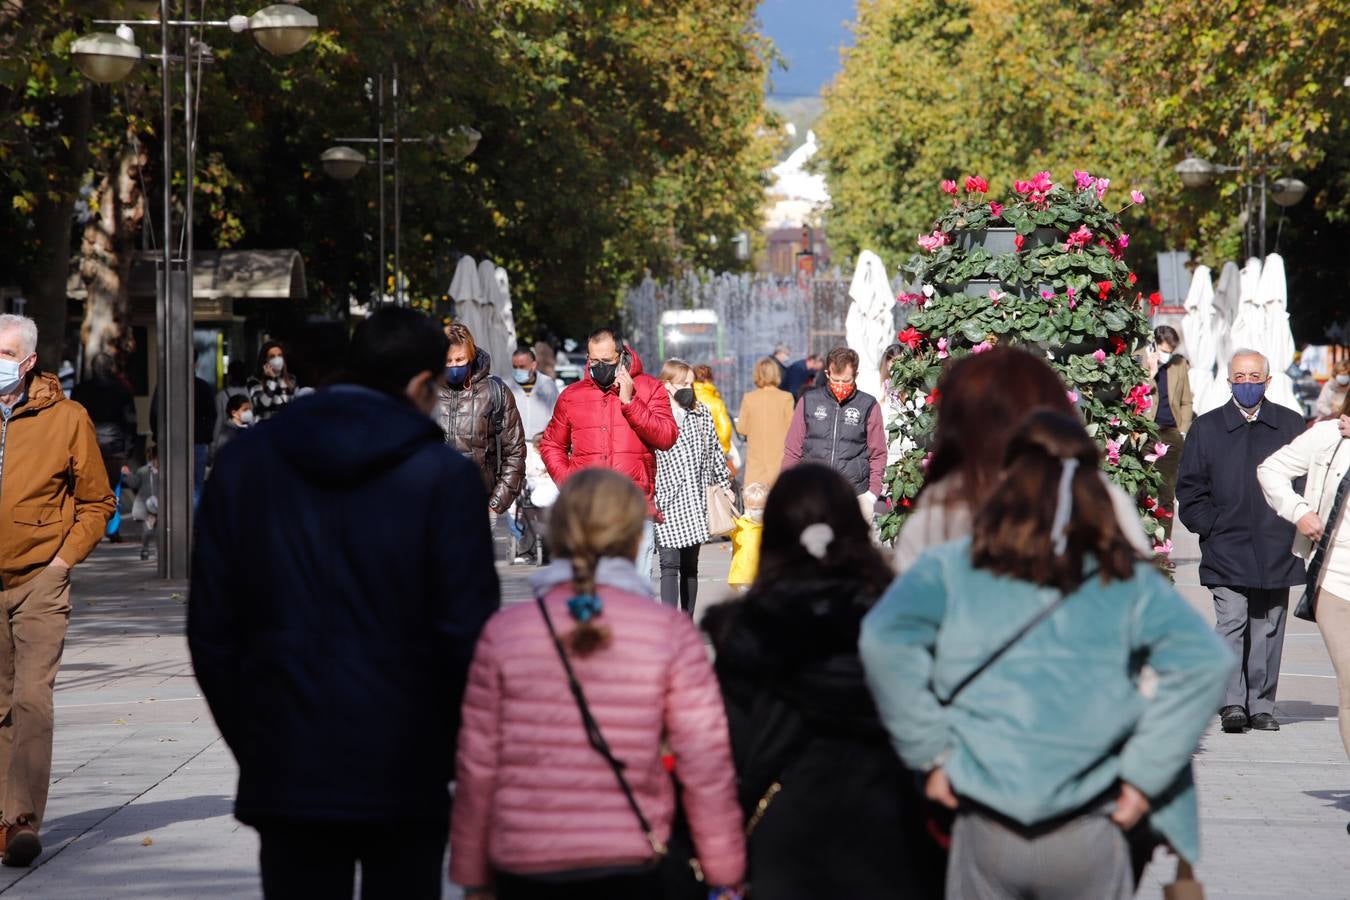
[802, 112]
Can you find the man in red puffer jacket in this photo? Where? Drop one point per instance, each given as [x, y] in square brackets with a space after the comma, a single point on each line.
[616, 418]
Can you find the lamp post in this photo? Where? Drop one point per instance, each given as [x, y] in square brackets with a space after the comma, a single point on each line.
[280, 29]
[343, 163]
[1196, 173]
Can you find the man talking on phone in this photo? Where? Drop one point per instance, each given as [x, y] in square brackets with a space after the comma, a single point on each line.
[616, 417]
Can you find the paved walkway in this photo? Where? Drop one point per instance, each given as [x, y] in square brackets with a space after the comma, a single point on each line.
[142, 785]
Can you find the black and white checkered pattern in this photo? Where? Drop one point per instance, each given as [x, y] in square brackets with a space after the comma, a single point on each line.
[682, 475]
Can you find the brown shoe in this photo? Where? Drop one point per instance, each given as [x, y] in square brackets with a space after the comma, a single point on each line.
[22, 844]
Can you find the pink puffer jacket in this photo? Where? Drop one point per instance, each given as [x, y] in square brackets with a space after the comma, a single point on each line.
[533, 796]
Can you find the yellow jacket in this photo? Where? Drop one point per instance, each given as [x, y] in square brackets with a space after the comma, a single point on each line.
[707, 394]
[745, 550]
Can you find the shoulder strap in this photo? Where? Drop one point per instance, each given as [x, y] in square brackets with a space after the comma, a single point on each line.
[497, 416]
[1328, 525]
[1007, 645]
[594, 736]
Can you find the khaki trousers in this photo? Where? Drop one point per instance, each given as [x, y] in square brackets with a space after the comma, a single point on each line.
[1333, 618]
[33, 619]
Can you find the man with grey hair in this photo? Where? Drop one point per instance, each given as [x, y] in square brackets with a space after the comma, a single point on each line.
[1244, 546]
[54, 504]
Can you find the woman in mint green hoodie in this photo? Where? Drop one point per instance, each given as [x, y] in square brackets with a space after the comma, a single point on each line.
[1051, 751]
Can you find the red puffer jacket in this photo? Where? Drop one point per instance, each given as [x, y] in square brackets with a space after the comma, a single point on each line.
[591, 428]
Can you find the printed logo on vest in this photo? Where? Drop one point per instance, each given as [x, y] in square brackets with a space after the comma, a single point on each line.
[852, 416]
[820, 413]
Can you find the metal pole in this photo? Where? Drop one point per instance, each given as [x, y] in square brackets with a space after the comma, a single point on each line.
[379, 130]
[1263, 214]
[398, 206]
[162, 301]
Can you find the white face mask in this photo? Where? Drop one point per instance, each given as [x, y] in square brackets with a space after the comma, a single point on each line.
[246, 417]
[1343, 380]
[1164, 357]
[277, 364]
[10, 375]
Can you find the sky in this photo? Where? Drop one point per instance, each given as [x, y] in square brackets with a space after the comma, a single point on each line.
[809, 34]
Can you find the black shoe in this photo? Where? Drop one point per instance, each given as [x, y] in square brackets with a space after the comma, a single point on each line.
[1234, 719]
[145, 554]
[1264, 722]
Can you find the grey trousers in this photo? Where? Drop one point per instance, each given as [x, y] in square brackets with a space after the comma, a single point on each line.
[1251, 622]
[993, 860]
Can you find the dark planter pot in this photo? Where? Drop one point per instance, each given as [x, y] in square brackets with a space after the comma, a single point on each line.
[1003, 240]
[980, 287]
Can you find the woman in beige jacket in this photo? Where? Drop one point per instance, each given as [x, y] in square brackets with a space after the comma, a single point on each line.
[1322, 456]
[766, 413]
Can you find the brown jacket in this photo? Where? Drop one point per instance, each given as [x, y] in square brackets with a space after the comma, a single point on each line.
[1178, 393]
[466, 418]
[766, 414]
[54, 494]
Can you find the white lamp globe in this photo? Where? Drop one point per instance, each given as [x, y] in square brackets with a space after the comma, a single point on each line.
[282, 28]
[103, 57]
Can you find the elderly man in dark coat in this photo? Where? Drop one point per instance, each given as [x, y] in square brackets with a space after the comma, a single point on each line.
[1244, 547]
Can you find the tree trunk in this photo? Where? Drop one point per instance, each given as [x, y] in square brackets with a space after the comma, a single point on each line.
[107, 249]
[46, 291]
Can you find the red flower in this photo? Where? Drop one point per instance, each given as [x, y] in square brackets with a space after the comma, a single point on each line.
[933, 398]
[1162, 512]
[976, 185]
[1117, 345]
[1019, 241]
[911, 337]
[995, 209]
[904, 501]
[1150, 503]
[1103, 288]
[1155, 299]
[948, 186]
[1133, 279]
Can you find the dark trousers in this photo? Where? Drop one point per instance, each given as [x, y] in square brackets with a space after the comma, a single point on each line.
[316, 862]
[1251, 623]
[641, 886]
[679, 576]
[1168, 467]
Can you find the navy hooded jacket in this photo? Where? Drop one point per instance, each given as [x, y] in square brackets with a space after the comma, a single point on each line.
[342, 570]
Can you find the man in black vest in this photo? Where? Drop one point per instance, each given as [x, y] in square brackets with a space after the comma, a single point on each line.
[1244, 546]
[839, 426]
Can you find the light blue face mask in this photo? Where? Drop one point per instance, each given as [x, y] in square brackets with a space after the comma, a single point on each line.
[522, 376]
[10, 375]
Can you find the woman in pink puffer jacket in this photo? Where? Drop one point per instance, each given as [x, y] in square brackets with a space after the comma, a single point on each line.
[538, 811]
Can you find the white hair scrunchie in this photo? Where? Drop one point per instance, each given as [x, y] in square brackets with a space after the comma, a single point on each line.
[1059, 531]
[817, 539]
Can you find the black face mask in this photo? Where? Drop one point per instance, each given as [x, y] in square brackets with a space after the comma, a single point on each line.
[685, 397]
[603, 373]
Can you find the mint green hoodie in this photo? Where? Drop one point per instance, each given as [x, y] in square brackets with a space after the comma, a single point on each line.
[1059, 720]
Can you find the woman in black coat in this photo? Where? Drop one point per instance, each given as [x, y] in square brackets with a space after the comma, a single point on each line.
[830, 809]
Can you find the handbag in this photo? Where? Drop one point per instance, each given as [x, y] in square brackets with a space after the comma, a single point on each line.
[721, 510]
[678, 868]
[1306, 608]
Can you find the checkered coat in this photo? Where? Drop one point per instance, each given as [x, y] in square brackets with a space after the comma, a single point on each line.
[683, 474]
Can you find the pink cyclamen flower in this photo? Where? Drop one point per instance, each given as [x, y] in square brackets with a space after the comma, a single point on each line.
[1159, 451]
[1164, 549]
[1115, 420]
[981, 347]
[948, 186]
[1083, 180]
[942, 348]
[1102, 185]
[1073, 396]
[1041, 183]
[1079, 239]
[1123, 241]
[1138, 397]
[1137, 196]
[1113, 452]
[923, 463]
[995, 209]
[976, 185]
[934, 241]
[1047, 295]
[996, 295]
[1099, 355]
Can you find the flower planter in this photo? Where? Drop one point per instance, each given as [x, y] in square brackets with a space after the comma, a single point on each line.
[1004, 240]
[980, 287]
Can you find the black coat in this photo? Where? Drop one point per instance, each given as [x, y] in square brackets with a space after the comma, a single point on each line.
[847, 822]
[1243, 543]
[342, 571]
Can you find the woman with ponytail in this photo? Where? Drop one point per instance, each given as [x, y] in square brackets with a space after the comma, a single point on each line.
[561, 788]
[1006, 667]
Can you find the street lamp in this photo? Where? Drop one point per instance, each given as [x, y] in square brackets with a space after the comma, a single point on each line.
[279, 29]
[342, 163]
[1197, 173]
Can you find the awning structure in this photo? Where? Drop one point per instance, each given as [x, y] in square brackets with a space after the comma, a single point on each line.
[221, 275]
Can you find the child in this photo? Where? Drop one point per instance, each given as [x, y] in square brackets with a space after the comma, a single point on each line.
[145, 482]
[238, 419]
[745, 540]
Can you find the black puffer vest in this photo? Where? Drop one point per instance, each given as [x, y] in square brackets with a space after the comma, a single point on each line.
[836, 434]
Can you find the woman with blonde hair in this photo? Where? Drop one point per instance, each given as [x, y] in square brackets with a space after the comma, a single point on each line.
[766, 414]
[683, 475]
[561, 790]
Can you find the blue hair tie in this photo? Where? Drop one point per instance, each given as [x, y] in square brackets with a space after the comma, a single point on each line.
[585, 607]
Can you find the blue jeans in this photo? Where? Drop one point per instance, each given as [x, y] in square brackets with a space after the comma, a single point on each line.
[646, 550]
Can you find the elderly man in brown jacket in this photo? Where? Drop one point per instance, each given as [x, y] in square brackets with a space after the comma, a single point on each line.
[54, 504]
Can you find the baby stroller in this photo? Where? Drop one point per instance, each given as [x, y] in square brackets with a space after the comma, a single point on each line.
[527, 525]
